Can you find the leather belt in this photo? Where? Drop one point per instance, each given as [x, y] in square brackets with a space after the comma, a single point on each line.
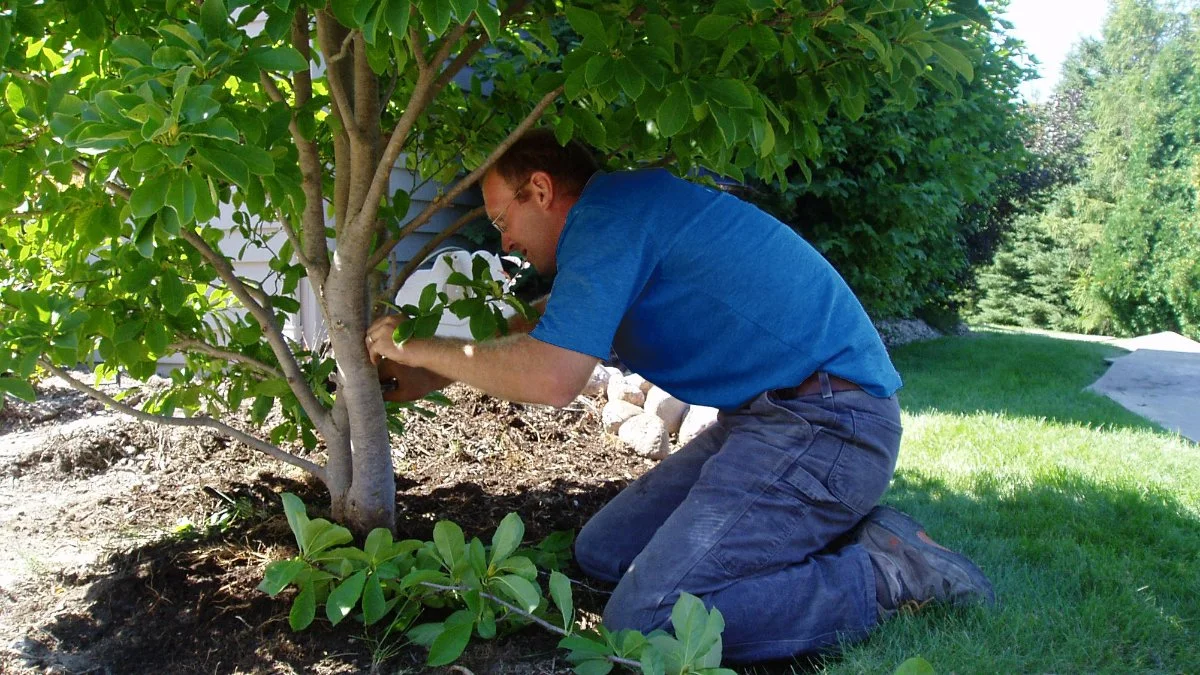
[812, 386]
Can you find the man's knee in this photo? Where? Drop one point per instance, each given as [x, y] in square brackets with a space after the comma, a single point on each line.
[594, 552]
[636, 610]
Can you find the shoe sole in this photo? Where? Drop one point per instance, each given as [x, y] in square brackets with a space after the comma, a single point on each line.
[908, 530]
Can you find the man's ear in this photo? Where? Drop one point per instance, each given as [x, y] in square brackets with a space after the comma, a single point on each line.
[542, 188]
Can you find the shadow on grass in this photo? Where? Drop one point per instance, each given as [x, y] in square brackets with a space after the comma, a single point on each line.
[1017, 375]
[189, 604]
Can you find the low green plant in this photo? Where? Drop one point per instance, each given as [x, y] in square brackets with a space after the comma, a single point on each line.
[487, 590]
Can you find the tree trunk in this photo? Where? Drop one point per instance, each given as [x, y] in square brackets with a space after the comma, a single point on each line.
[370, 500]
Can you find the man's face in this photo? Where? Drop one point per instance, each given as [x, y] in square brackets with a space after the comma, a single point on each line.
[523, 218]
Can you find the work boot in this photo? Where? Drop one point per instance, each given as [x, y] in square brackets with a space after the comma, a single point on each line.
[912, 570]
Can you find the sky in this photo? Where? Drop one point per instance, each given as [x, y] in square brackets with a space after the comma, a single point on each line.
[1049, 28]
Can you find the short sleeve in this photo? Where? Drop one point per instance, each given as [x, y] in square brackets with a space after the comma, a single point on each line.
[605, 260]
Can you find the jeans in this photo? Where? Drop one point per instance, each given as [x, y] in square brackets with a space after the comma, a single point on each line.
[745, 516]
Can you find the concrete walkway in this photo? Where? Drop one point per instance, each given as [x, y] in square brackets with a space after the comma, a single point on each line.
[1159, 379]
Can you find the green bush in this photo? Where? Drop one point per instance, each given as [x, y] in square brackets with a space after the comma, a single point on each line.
[899, 196]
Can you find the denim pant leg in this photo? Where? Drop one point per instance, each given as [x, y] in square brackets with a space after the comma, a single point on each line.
[752, 537]
[611, 539]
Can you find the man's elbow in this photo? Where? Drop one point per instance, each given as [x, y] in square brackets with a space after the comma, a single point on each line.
[561, 393]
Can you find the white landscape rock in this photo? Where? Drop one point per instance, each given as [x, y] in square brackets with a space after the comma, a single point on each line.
[646, 435]
[638, 381]
[621, 389]
[598, 383]
[666, 407]
[698, 418]
[615, 413]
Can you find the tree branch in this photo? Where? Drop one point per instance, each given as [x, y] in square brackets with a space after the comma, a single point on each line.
[472, 47]
[382, 252]
[418, 45]
[301, 40]
[449, 196]
[636, 665]
[335, 73]
[231, 356]
[271, 330]
[256, 443]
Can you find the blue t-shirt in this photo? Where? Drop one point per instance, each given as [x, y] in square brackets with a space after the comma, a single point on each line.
[703, 294]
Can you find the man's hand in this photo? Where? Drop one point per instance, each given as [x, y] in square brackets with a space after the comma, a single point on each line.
[402, 383]
[380, 345]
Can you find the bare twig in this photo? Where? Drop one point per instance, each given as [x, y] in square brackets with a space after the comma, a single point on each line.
[538, 620]
[256, 443]
[344, 50]
[231, 356]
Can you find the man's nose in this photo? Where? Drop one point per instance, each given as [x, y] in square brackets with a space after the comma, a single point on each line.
[506, 242]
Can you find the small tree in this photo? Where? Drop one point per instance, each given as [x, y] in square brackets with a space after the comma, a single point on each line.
[128, 126]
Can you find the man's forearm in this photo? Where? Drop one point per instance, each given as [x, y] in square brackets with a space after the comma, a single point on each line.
[510, 367]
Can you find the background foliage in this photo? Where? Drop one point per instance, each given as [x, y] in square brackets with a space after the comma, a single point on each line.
[1117, 250]
[903, 200]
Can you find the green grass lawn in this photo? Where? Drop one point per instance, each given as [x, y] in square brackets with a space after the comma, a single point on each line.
[1085, 516]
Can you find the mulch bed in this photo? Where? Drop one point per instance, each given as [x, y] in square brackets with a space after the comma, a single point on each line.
[186, 602]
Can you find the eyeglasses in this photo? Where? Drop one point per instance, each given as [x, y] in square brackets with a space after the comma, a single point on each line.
[498, 221]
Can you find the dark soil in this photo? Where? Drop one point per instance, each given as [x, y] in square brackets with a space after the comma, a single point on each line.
[130, 556]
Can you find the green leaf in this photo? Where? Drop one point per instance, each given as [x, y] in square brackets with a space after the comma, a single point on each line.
[483, 324]
[448, 646]
[304, 609]
[228, 165]
[218, 128]
[448, 538]
[322, 534]
[132, 47]
[373, 603]
[437, 15]
[149, 197]
[674, 112]
[395, 15]
[257, 160]
[279, 574]
[489, 16]
[560, 591]
[18, 388]
[518, 565]
[598, 666]
[378, 544]
[181, 196]
[587, 23]
[521, 590]
[578, 643]
[343, 598]
[213, 18]
[589, 126]
[146, 157]
[401, 203]
[953, 59]
[507, 537]
[729, 93]
[463, 9]
[286, 59]
[632, 82]
[714, 27]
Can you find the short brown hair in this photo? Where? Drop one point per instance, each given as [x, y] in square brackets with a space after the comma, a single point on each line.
[570, 166]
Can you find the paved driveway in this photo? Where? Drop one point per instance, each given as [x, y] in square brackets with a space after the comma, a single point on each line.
[1159, 379]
